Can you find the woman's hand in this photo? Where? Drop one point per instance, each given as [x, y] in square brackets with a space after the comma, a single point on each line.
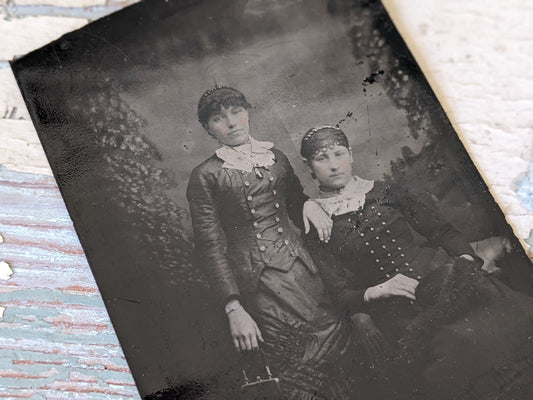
[244, 331]
[398, 285]
[314, 214]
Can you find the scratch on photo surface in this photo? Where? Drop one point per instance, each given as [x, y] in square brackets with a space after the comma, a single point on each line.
[247, 54]
[368, 120]
[281, 118]
[56, 56]
[349, 115]
[128, 300]
[118, 49]
[278, 43]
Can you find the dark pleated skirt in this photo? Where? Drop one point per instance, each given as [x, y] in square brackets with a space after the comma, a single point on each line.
[306, 343]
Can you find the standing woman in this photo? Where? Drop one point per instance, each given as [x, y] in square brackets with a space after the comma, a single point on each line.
[241, 200]
[464, 331]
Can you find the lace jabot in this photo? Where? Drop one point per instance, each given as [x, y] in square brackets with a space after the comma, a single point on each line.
[347, 199]
[247, 156]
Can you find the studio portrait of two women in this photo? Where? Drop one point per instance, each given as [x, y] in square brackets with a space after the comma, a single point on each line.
[362, 292]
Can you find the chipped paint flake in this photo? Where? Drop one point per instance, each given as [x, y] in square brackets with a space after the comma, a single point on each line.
[525, 189]
[1, 239]
[530, 241]
[5, 271]
[2, 309]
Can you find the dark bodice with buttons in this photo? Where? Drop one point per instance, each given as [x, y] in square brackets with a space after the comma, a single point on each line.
[375, 243]
[385, 237]
[241, 222]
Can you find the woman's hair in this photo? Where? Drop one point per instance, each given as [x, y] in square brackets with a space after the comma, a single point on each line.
[214, 99]
[320, 138]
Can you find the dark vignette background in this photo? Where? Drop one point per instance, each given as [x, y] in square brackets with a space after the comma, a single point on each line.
[114, 105]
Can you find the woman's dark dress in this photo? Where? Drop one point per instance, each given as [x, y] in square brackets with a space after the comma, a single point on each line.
[463, 324]
[249, 251]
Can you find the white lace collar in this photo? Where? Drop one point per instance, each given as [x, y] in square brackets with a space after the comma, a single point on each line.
[347, 199]
[247, 156]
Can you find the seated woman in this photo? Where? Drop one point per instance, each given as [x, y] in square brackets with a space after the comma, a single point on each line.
[241, 201]
[448, 322]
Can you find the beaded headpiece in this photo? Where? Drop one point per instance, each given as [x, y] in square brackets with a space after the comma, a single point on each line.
[320, 139]
[215, 98]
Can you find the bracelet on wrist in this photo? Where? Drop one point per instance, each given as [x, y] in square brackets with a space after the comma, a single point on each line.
[232, 308]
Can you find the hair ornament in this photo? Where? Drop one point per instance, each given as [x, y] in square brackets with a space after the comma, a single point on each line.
[314, 130]
[209, 92]
[320, 138]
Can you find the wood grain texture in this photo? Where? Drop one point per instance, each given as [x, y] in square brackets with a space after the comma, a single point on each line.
[33, 32]
[63, 3]
[56, 340]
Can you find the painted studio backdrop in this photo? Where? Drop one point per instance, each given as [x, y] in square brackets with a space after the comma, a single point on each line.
[115, 108]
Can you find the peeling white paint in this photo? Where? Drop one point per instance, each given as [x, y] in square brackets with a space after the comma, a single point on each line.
[5, 271]
[20, 149]
[1, 239]
[62, 3]
[2, 309]
[33, 32]
[488, 105]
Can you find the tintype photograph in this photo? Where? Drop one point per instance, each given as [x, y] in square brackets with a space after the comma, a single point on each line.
[275, 206]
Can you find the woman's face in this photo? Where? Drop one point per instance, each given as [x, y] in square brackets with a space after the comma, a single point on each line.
[230, 126]
[332, 166]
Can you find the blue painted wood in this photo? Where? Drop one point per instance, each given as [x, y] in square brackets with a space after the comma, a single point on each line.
[56, 340]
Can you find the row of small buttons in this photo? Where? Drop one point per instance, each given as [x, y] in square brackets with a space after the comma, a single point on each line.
[285, 242]
[392, 262]
[274, 192]
[253, 211]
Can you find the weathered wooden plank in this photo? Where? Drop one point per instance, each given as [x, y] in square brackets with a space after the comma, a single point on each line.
[62, 3]
[20, 147]
[30, 33]
[86, 9]
[12, 104]
[57, 340]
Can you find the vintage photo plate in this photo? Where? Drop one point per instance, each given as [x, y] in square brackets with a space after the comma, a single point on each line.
[116, 106]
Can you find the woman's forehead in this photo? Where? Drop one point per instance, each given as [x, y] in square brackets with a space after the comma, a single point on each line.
[223, 109]
[329, 146]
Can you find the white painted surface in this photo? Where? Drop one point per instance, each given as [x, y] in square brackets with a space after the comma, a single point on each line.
[22, 35]
[20, 148]
[478, 57]
[63, 3]
[12, 104]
